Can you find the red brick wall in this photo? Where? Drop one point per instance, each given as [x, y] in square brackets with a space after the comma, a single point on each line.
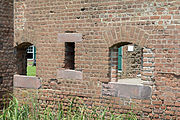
[6, 48]
[153, 24]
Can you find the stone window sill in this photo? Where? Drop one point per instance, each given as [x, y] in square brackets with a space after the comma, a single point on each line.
[31, 82]
[126, 89]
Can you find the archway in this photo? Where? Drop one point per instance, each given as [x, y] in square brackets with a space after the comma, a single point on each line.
[126, 35]
[126, 62]
[25, 58]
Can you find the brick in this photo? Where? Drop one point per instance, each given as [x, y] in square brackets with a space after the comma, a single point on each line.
[165, 17]
[157, 102]
[177, 104]
[154, 17]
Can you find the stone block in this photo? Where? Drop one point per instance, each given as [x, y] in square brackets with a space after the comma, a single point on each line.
[128, 91]
[69, 37]
[69, 74]
[21, 81]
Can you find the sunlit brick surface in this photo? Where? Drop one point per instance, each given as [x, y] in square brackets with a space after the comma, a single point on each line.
[150, 24]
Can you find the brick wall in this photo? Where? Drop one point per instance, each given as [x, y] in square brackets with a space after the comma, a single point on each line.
[150, 24]
[6, 49]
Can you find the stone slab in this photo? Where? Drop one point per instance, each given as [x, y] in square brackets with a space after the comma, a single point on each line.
[69, 37]
[69, 74]
[21, 81]
[116, 89]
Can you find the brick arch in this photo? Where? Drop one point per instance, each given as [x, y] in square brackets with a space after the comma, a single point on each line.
[130, 34]
[23, 45]
[27, 35]
[124, 35]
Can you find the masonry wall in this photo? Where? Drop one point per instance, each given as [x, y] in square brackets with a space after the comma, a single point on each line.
[6, 49]
[153, 24]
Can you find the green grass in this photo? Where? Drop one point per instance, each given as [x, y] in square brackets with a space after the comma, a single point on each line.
[31, 70]
[75, 110]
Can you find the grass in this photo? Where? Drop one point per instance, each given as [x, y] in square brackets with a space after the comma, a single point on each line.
[31, 70]
[76, 110]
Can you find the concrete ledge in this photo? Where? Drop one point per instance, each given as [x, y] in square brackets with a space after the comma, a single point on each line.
[21, 81]
[69, 74]
[69, 37]
[116, 89]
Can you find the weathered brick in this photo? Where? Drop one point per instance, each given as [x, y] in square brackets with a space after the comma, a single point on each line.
[151, 25]
[6, 49]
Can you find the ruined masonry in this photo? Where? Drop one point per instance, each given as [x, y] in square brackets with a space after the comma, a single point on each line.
[107, 52]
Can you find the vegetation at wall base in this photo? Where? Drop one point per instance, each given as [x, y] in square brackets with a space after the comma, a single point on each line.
[74, 111]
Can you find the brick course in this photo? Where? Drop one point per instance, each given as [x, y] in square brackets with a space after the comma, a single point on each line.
[150, 24]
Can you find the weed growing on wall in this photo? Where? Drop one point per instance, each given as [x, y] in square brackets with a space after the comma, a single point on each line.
[75, 111]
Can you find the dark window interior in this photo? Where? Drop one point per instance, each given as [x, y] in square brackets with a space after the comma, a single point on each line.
[69, 55]
[1, 46]
[1, 80]
[29, 55]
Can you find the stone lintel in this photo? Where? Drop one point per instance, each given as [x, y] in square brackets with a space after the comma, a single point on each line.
[69, 74]
[69, 37]
[116, 89]
[21, 81]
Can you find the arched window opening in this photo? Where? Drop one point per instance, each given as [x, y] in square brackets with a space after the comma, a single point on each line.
[126, 63]
[26, 59]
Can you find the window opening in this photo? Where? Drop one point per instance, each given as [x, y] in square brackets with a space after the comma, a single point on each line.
[1, 46]
[126, 62]
[26, 59]
[69, 55]
[1, 80]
